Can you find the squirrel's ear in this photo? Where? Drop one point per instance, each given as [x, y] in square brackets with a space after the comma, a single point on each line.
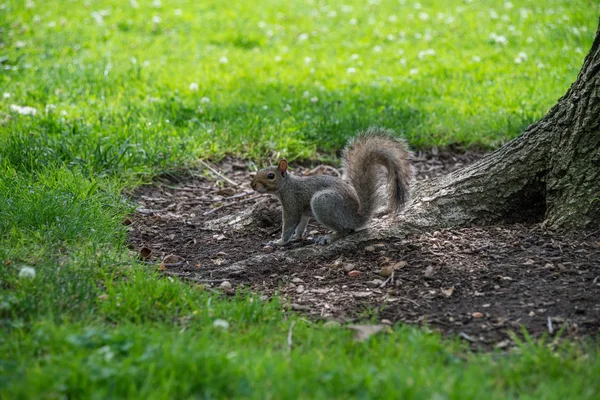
[282, 166]
[268, 162]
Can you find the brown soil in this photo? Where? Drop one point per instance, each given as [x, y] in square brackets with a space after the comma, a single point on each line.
[480, 283]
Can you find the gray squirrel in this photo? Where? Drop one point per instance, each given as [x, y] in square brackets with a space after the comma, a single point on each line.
[339, 205]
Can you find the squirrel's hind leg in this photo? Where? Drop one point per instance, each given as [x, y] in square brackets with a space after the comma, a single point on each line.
[336, 211]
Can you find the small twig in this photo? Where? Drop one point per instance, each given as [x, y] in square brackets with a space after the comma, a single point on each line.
[410, 300]
[214, 210]
[550, 328]
[390, 278]
[591, 234]
[467, 337]
[289, 336]
[220, 175]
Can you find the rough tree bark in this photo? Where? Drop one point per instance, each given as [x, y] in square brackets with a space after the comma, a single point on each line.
[549, 174]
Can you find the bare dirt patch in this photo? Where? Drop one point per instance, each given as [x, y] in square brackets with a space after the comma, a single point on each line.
[480, 283]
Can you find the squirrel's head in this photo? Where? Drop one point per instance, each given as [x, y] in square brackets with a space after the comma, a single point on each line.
[268, 180]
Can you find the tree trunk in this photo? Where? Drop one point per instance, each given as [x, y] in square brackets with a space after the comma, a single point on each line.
[550, 173]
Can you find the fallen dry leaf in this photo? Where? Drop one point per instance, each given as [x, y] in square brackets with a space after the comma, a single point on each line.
[448, 292]
[477, 314]
[145, 253]
[364, 332]
[354, 273]
[429, 272]
[172, 259]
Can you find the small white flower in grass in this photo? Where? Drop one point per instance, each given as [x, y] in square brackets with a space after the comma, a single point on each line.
[522, 55]
[98, 18]
[134, 4]
[377, 49]
[505, 18]
[354, 57]
[287, 108]
[524, 13]
[63, 113]
[347, 9]
[52, 24]
[265, 107]
[36, 19]
[306, 94]
[156, 4]
[353, 21]
[417, 6]
[223, 60]
[423, 16]
[450, 20]
[277, 58]
[392, 18]
[27, 272]
[493, 14]
[221, 323]
[351, 70]
[178, 12]
[156, 19]
[23, 110]
[391, 37]
[6, 95]
[499, 39]
[424, 53]
[332, 14]
[262, 24]
[508, 5]
[194, 87]
[307, 60]
[540, 65]
[50, 108]
[205, 100]
[476, 59]
[302, 37]
[29, 4]
[314, 99]
[413, 71]
[403, 61]
[19, 44]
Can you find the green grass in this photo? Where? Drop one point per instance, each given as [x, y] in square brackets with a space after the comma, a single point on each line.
[124, 93]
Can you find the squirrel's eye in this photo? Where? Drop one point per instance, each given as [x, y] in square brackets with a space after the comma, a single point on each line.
[271, 175]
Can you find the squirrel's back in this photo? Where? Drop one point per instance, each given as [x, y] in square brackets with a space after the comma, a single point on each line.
[363, 157]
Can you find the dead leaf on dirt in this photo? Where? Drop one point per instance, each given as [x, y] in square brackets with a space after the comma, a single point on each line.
[103, 297]
[268, 249]
[300, 307]
[127, 221]
[375, 283]
[349, 267]
[388, 269]
[448, 292]
[226, 191]
[145, 253]
[477, 314]
[361, 295]
[370, 248]
[529, 262]
[172, 259]
[354, 273]
[7, 262]
[364, 332]
[219, 237]
[429, 272]
[226, 285]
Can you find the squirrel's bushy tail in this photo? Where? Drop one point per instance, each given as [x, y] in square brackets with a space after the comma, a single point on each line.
[363, 158]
